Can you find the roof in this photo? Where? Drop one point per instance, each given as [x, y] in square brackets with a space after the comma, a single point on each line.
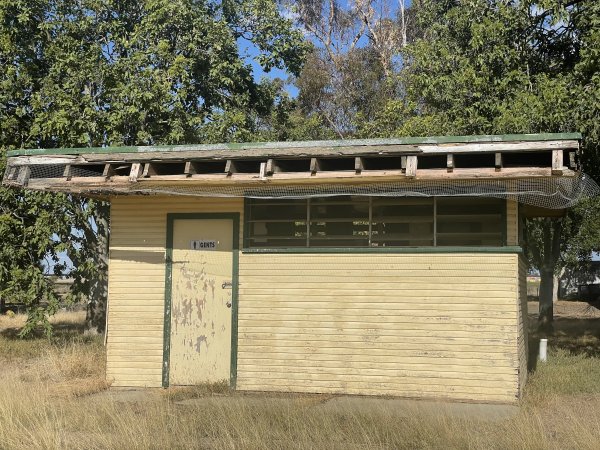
[302, 144]
[442, 165]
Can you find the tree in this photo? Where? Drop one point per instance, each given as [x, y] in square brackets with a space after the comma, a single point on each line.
[108, 72]
[352, 69]
[552, 254]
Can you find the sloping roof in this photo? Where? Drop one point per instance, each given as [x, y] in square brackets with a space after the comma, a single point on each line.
[404, 166]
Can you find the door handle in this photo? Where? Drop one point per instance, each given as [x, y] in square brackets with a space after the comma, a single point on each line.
[227, 285]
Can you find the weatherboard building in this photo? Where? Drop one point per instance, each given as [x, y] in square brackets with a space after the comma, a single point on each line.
[373, 267]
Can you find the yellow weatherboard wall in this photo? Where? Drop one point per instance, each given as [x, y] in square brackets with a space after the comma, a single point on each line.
[136, 290]
[409, 324]
[423, 325]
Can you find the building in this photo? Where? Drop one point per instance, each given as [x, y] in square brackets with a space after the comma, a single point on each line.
[582, 283]
[377, 267]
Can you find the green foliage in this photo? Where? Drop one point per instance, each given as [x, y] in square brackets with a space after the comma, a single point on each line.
[351, 72]
[346, 94]
[288, 122]
[26, 224]
[501, 67]
[581, 228]
[108, 72]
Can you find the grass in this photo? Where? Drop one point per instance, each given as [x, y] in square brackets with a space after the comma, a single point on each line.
[53, 395]
[68, 327]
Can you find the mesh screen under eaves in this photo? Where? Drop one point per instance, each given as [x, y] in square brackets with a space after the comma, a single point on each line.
[547, 192]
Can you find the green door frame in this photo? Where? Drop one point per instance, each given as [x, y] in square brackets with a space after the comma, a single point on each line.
[171, 218]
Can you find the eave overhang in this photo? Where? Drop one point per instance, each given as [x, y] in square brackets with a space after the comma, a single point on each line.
[541, 169]
[247, 167]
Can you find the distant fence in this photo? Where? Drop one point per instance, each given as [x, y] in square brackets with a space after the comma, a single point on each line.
[589, 292]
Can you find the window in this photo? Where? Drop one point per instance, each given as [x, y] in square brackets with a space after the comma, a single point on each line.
[375, 222]
[276, 223]
[470, 221]
[339, 222]
[402, 222]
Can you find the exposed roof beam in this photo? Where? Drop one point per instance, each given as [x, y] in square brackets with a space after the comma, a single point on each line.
[122, 183]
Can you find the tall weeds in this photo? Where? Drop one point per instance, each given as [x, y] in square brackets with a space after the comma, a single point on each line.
[57, 399]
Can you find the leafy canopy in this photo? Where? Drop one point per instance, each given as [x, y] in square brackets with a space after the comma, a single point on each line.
[119, 72]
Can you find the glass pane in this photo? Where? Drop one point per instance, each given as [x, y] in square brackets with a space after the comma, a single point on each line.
[396, 222]
[470, 221]
[402, 222]
[276, 223]
[339, 222]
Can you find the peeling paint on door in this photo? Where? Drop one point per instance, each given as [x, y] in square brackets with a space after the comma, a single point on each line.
[200, 318]
[199, 341]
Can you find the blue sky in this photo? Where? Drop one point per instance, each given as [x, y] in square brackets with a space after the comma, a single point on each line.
[248, 52]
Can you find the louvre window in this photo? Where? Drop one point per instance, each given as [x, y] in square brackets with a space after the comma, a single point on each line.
[375, 222]
[339, 222]
[402, 222]
[276, 223]
[470, 221]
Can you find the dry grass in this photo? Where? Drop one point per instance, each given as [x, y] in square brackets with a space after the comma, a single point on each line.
[53, 396]
[71, 319]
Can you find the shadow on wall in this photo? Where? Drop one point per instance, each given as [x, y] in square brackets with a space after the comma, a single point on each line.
[150, 256]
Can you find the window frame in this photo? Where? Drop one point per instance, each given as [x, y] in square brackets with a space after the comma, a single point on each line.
[503, 247]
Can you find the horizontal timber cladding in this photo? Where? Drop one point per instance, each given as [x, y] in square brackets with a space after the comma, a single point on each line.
[422, 325]
[407, 324]
[136, 290]
[523, 340]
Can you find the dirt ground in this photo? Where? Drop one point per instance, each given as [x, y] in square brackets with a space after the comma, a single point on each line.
[568, 310]
[576, 329]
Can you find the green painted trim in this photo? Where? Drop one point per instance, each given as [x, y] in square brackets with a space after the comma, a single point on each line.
[171, 218]
[235, 301]
[514, 249]
[505, 221]
[167, 313]
[300, 144]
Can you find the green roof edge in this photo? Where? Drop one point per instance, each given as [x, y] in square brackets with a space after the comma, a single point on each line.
[300, 144]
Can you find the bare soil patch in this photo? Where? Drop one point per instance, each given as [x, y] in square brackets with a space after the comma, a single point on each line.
[576, 329]
[569, 310]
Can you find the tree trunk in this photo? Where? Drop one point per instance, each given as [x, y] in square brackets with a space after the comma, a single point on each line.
[555, 288]
[98, 295]
[546, 314]
[552, 234]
